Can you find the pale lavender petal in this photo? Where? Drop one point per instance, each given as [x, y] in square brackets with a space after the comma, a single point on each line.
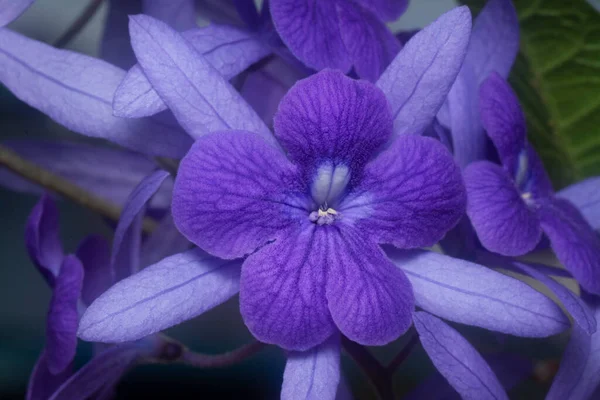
[94, 254]
[457, 360]
[228, 49]
[386, 10]
[12, 9]
[471, 294]
[178, 14]
[201, 100]
[231, 194]
[76, 91]
[418, 80]
[311, 30]
[167, 293]
[313, 374]
[504, 223]
[585, 195]
[164, 241]
[42, 383]
[125, 255]
[115, 46]
[369, 42]
[575, 243]
[411, 195]
[62, 321]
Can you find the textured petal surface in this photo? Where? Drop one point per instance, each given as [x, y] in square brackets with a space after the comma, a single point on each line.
[418, 80]
[167, 293]
[178, 14]
[585, 195]
[369, 42]
[77, 91]
[228, 49]
[311, 30]
[411, 195]
[575, 243]
[503, 221]
[457, 360]
[164, 241]
[94, 254]
[313, 374]
[11, 9]
[61, 325]
[42, 383]
[329, 117]
[471, 294]
[230, 194]
[201, 100]
[387, 10]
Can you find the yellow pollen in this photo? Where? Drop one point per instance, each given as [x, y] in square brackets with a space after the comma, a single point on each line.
[329, 211]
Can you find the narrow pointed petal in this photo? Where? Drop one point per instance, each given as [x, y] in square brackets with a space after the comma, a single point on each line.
[115, 46]
[411, 195]
[76, 91]
[63, 317]
[42, 239]
[165, 241]
[585, 195]
[575, 243]
[231, 194]
[311, 30]
[167, 293]
[457, 360]
[386, 10]
[471, 294]
[313, 374]
[125, 255]
[418, 80]
[503, 221]
[201, 100]
[12, 9]
[178, 14]
[228, 49]
[43, 383]
[94, 254]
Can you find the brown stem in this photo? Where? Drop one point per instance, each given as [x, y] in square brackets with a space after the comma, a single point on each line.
[79, 23]
[63, 187]
[220, 360]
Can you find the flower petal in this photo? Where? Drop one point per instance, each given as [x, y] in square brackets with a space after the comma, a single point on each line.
[201, 100]
[12, 9]
[313, 374]
[368, 40]
[63, 317]
[230, 194]
[370, 300]
[43, 383]
[228, 49]
[115, 46]
[165, 241]
[311, 30]
[386, 10]
[585, 195]
[503, 221]
[167, 293]
[457, 360]
[94, 254]
[248, 13]
[418, 80]
[575, 243]
[471, 294]
[329, 117]
[282, 293]
[411, 195]
[178, 14]
[42, 239]
[77, 91]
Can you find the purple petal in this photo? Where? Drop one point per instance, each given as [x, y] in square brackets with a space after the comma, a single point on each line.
[311, 30]
[12, 9]
[178, 14]
[42, 238]
[115, 46]
[228, 49]
[411, 195]
[94, 254]
[102, 371]
[42, 383]
[471, 294]
[419, 78]
[386, 10]
[282, 293]
[201, 100]
[248, 12]
[61, 325]
[313, 374]
[230, 194]
[109, 173]
[165, 241]
[167, 293]
[504, 223]
[457, 360]
[585, 195]
[77, 91]
[575, 243]
[330, 117]
[125, 255]
[368, 40]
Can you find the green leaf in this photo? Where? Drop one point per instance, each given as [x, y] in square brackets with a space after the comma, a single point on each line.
[557, 79]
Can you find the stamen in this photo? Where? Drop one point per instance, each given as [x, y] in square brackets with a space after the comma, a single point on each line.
[324, 217]
[329, 183]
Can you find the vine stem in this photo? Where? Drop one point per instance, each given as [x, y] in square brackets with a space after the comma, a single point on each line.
[81, 21]
[200, 360]
[63, 187]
